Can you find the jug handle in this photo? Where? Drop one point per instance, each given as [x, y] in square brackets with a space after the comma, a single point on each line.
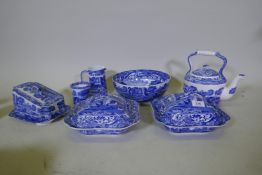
[208, 53]
[82, 75]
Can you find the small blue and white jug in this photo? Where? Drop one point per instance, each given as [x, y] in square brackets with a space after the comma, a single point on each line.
[208, 82]
[97, 79]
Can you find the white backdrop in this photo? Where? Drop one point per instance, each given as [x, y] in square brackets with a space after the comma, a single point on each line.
[51, 41]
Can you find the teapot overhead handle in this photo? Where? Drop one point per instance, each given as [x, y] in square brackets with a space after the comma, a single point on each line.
[208, 53]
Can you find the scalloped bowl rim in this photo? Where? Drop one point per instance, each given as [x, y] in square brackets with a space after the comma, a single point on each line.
[141, 86]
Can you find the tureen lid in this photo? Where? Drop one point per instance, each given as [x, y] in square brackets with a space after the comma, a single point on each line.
[187, 109]
[104, 111]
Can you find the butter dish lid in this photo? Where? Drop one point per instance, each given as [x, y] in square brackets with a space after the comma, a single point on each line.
[38, 93]
[36, 103]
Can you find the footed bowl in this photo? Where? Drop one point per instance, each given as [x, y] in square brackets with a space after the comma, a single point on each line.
[141, 85]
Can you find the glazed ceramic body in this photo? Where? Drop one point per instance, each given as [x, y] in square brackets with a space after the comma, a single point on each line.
[187, 113]
[36, 103]
[211, 92]
[208, 82]
[141, 85]
[97, 79]
[103, 115]
[80, 91]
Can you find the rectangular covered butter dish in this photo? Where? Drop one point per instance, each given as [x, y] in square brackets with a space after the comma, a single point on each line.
[36, 103]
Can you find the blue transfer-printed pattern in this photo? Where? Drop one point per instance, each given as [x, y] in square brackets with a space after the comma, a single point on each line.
[212, 97]
[35, 118]
[97, 80]
[38, 92]
[134, 77]
[101, 114]
[77, 99]
[219, 91]
[177, 112]
[141, 85]
[190, 129]
[232, 91]
[42, 105]
[103, 132]
[206, 71]
[80, 93]
[205, 75]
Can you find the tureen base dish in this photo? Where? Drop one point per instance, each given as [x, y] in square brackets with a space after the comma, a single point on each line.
[191, 129]
[188, 113]
[105, 131]
[103, 115]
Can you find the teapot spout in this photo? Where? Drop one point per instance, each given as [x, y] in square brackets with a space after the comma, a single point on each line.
[228, 92]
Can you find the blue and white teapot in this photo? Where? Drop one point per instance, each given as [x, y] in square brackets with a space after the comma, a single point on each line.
[208, 82]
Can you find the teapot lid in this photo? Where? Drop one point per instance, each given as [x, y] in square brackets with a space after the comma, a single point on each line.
[187, 109]
[103, 111]
[205, 71]
[205, 75]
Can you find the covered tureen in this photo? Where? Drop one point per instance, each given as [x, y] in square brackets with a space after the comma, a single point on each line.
[103, 114]
[187, 113]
